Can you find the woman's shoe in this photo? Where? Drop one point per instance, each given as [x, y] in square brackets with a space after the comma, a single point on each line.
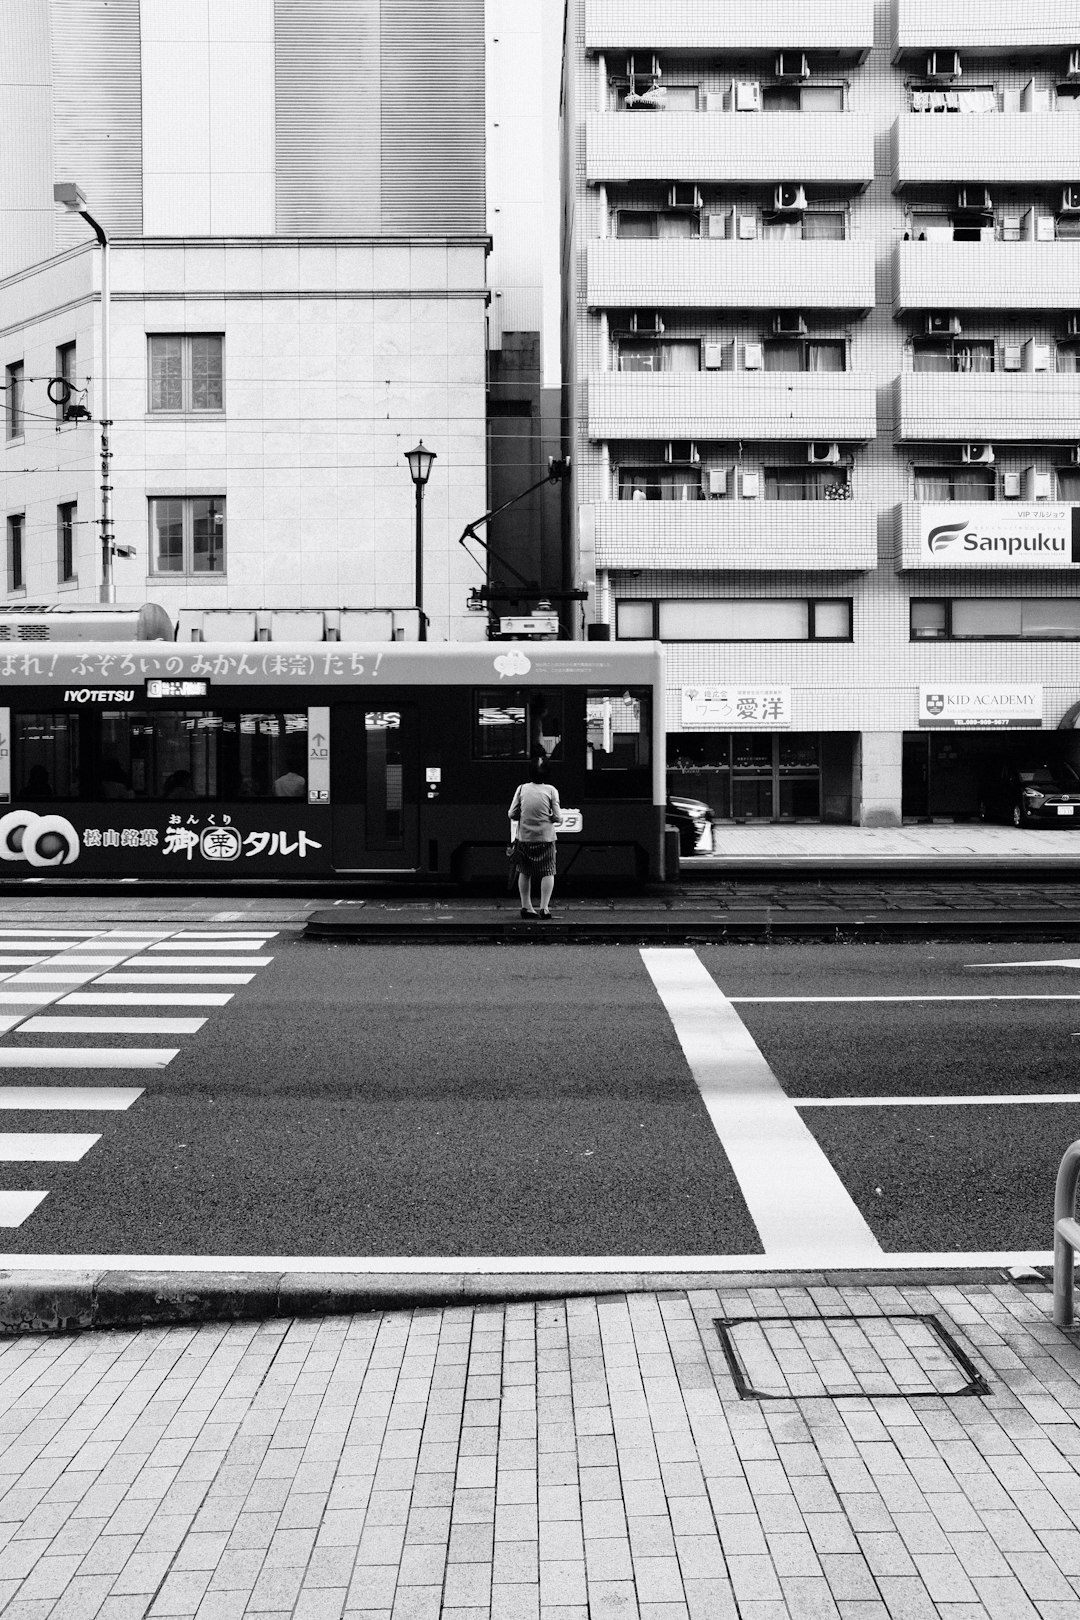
[525, 913]
[545, 915]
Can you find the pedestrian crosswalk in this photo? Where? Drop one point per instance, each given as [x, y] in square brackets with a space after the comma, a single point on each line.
[84, 985]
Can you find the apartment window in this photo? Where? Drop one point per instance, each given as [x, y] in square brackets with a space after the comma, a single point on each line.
[187, 373]
[803, 97]
[187, 535]
[947, 354]
[659, 354]
[660, 483]
[1067, 97]
[16, 528]
[14, 397]
[65, 370]
[1068, 356]
[805, 354]
[1068, 482]
[955, 484]
[806, 483]
[738, 619]
[998, 618]
[975, 98]
[641, 224]
[65, 540]
[817, 225]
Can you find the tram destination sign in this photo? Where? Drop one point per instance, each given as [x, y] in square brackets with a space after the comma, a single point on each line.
[1000, 705]
[995, 534]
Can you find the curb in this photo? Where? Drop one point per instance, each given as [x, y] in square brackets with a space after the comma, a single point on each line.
[67, 1302]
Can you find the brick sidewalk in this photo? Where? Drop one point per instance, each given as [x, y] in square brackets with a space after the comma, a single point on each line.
[579, 1460]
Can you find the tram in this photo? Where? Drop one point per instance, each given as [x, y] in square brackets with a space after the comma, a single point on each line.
[149, 758]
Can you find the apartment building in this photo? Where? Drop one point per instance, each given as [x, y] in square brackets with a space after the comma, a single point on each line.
[822, 283]
[293, 195]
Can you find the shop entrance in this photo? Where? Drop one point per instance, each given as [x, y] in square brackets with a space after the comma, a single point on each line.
[764, 776]
[946, 773]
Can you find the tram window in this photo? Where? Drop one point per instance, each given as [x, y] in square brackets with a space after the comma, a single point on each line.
[518, 723]
[201, 755]
[617, 724]
[46, 750]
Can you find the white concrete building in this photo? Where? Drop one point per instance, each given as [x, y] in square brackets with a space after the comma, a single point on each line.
[293, 191]
[822, 278]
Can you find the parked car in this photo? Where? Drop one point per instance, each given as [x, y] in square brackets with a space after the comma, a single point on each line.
[1028, 793]
[693, 818]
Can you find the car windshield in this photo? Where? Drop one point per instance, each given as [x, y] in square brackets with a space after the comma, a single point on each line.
[1043, 776]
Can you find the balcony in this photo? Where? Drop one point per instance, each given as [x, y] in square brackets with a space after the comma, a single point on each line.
[712, 273]
[846, 26]
[986, 275]
[990, 28]
[985, 149]
[1050, 524]
[996, 406]
[835, 147]
[732, 534]
[731, 405]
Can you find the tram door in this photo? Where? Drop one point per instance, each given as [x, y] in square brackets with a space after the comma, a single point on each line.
[374, 797]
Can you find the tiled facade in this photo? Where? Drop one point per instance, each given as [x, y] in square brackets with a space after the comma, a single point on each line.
[709, 483]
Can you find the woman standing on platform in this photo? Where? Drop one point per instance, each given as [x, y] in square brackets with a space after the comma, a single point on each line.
[536, 811]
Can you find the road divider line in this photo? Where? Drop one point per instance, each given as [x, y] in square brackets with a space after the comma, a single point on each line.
[937, 1102]
[766, 1000]
[174, 978]
[72, 1025]
[86, 1057]
[801, 1208]
[16, 1206]
[45, 1147]
[69, 1099]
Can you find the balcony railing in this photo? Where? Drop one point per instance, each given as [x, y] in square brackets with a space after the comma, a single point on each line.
[986, 275]
[992, 27]
[732, 534]
[768, 25]
[987, 149]
[837, 147]
[1019, 406]
[711, 272]
[779, 405]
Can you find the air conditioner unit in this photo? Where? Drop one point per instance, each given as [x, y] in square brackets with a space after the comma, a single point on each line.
[1072, 67]
[716, 481]
[789, 199]
[739, 227]
[974, 200]
[745, 95]
[981, 455]
[1010, 486]
[713, 356]
[1012, 357]
[1072, 326]
[1037, 486]
[1074, 455]
[647, 321]
[748, 485]
[682, 452]
[943, 65]
[943, 325]
[823, 455]
[753, 357]
[791, 65]
[1036, 356]
[684, 196]
[788, 323]
[1070, 200]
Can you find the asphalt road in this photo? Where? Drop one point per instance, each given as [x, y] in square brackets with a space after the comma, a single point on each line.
[359, 1101]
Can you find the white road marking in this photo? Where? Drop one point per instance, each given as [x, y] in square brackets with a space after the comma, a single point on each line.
[798, 1203]
[174, 978]
[233, 933]
[21, 961]
[132, 998]
[45, 1147]
[70, 1099]
[111, 1026]
[936, 1102]
[86, 1057]
[47, 977]
[1054, 961]
[46, 933]
[9, 1020]
[35, 998]
[750, 1000]
[202, 961]
[16, 1206]
[195, 946]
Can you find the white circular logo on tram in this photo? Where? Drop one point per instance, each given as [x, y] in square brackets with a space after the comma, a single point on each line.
[39, 840]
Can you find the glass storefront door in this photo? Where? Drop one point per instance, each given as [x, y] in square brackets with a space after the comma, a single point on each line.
[754, 776]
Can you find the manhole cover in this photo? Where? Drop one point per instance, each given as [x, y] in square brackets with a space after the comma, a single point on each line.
[838, 1357]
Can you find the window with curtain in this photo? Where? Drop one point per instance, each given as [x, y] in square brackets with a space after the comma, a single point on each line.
[807, 98]
[804, 483]
[805, 354]
[824, 224]
[659, 354]
[955, 484]
[1068, 356]
[948, 354]
[1068, 483]
[660, 483]
[647, 224]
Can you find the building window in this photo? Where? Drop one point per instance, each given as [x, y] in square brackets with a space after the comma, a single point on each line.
[660, 483]
[14, 397]
[805, 354]
[817, 225]
[187, 535]
[659, 354]
[65, 370]
[65, 539]
[1068, 482]
[949, 354]
[16, 528]
[955, 484]
[641, 223]
[996, 618]
[806, 483]
[187, 373]
[803, 97]
[1068, 356]
[736, 619]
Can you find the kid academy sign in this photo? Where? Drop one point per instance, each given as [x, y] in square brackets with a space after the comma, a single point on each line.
[992, 534]
[948, 707]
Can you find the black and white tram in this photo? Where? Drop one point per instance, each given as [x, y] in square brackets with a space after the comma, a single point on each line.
[145, 757]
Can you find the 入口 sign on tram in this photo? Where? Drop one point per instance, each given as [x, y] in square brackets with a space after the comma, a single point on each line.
[996, 534]
[1005, 704]
[735, 706]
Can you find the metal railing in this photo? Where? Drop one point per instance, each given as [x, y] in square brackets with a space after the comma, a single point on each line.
[1066, 1234]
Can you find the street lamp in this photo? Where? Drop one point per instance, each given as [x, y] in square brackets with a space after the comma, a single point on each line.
[68, 194]
[420, 470]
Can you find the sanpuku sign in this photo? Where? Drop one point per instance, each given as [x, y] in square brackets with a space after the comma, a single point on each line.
[996, 534]
[735, 706]
[949, 707]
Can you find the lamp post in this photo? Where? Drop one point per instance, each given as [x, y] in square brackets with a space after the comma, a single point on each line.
[419, 470]
[68, 194]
